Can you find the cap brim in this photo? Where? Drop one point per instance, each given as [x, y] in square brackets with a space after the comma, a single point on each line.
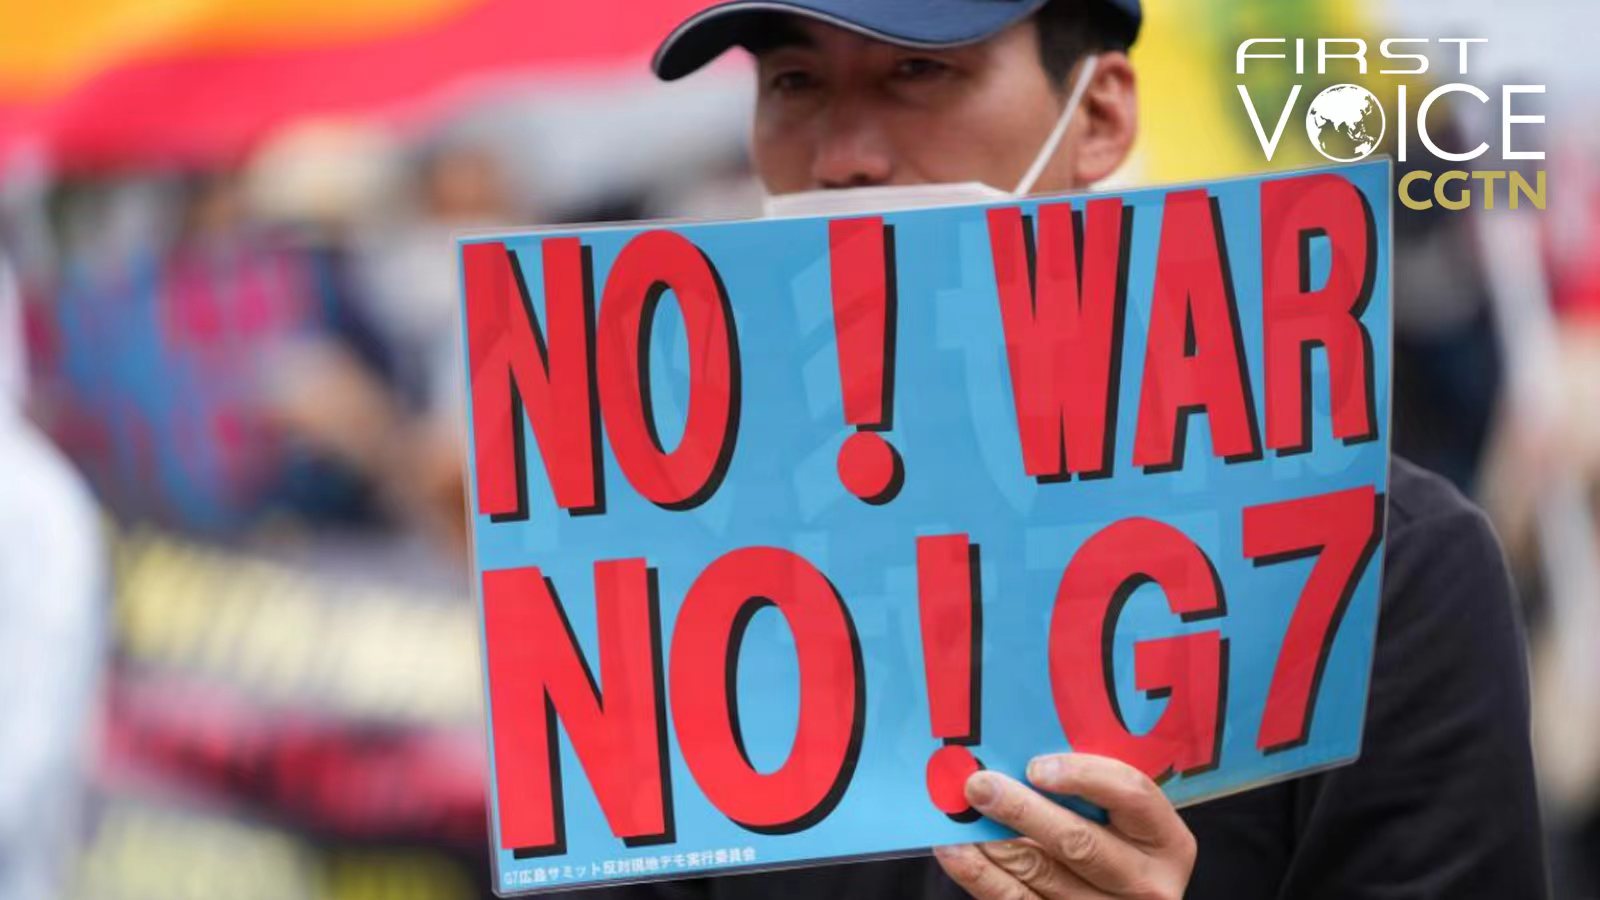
[931, 24]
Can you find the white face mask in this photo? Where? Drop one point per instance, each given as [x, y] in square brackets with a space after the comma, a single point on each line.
[836, 201]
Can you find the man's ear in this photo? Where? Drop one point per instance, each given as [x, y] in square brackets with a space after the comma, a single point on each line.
[1109, 119]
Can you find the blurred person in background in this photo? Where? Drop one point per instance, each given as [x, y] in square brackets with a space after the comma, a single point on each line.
[412, 285]
[225, 368]
[174, 310]
[52, 618]
[388, 405]
[1446, 354]
[400, 426]
[409, 270]
[1442, 800]
[1541, 483]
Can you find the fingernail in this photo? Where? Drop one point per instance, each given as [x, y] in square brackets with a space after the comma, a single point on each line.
[1044, 769]
[980, 789]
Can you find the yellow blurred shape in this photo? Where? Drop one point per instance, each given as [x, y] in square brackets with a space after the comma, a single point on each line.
[1192, 123]
[284, 635]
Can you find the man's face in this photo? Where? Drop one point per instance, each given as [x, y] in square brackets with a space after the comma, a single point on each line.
[835, 109]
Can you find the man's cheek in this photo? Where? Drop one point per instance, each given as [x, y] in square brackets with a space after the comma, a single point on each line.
[996, 140]
[769, 147]
[783, 165]
[971, 156]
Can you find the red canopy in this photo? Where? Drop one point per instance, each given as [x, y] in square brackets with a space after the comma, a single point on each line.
[204, 106]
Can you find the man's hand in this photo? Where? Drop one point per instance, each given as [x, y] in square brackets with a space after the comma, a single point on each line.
[1146, 851]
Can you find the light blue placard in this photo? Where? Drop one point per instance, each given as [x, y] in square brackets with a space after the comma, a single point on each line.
[956, 430]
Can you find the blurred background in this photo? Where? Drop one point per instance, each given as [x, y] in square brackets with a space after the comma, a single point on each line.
[237, 651]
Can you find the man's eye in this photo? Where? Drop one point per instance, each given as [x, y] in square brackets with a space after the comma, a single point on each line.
[920, 68]
[791, 80]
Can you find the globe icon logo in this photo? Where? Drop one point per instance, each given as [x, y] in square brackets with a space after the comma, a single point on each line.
[1345, 123]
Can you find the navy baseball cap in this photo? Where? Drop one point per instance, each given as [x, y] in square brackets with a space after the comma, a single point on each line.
[912, 23]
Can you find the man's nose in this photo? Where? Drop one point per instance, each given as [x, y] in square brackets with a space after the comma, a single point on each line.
[851, 151]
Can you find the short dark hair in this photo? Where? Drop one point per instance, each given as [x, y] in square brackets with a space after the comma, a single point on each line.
[1070, 29]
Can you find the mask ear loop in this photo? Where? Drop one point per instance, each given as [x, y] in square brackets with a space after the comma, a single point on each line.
[1048, 151]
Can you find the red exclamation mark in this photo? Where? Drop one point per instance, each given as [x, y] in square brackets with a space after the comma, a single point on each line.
[859, 253]
[952, 635]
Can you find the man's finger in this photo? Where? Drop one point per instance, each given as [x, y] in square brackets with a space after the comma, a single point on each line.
[979, 876]
[1092, 851]
[1026, 861]
[1138, 808]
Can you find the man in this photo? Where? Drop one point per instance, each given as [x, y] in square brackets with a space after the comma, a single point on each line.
[857, 93]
